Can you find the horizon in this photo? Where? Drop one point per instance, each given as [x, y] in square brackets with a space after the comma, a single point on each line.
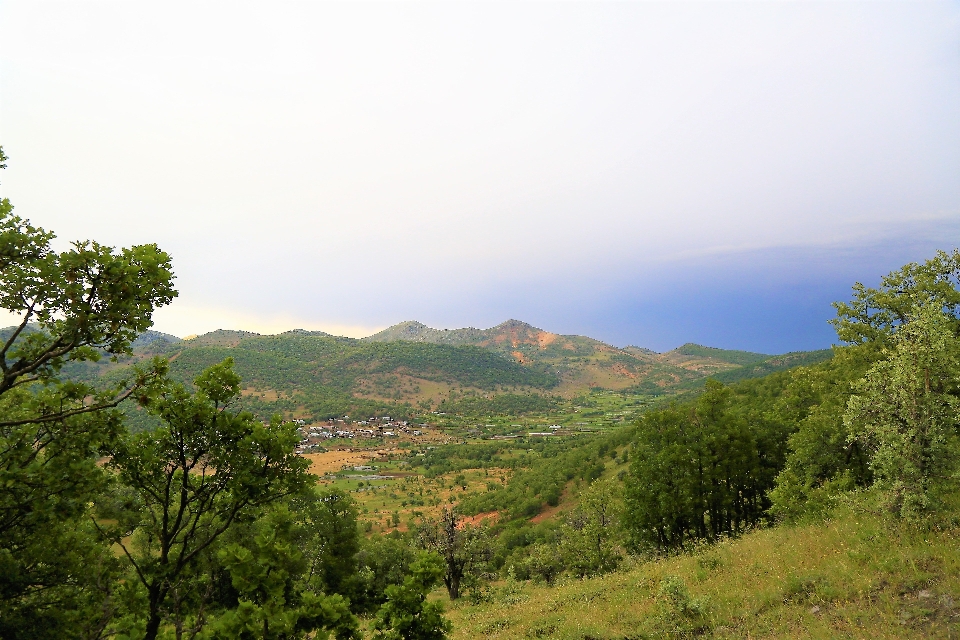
[640, 173]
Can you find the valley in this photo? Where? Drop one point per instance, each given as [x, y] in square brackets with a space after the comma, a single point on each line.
[573, 489]
[507, 380]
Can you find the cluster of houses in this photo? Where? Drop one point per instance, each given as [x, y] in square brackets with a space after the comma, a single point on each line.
[313, 435]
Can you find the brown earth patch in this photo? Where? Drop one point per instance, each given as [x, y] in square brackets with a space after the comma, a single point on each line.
[334, 461]
[550, 512]
[518, 356]
[492, 516]
[263, 394]
[623, 371]
[545, 338]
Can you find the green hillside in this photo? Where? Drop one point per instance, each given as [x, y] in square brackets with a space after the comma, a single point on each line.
[857, 574]
[583, 363]
[773, 364]
[723, 355]
[765, 367]
[316, 376]
[511, 369]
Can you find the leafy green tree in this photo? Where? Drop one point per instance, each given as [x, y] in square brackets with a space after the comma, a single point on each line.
[406, 615]
[71, 306]
[906, 412]
[874, 314]
[329, 539]
[544, 562]
[383, 561]
[269, 573]
[465, 548]
[590, 537]
[183, 485]
[825, 458]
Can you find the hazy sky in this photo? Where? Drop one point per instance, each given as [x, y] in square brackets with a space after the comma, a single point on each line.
[643, 173]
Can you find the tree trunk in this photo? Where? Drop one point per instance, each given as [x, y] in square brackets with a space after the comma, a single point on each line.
[153, 618]
[453, 587]
[153, 626]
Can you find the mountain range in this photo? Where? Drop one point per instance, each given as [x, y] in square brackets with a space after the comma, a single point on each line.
[411, 367]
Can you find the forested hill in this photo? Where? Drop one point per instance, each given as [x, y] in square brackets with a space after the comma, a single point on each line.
[411, 368]
[583, 363]
[723, 355]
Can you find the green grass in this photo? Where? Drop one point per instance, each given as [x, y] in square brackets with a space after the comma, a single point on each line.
[855, 575]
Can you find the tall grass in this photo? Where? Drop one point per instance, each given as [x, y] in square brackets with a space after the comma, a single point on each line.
[858, 574]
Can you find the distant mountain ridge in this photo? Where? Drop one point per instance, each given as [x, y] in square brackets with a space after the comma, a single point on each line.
[582, 362]
[513, 333]
[314, 374]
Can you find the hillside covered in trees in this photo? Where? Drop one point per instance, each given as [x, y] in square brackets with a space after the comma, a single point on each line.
[511, 369]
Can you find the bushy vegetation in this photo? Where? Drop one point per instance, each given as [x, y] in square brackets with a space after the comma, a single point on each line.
[543, 470]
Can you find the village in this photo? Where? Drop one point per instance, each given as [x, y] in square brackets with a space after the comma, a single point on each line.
[313, 436]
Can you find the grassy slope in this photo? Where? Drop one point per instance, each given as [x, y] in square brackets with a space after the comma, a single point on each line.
[856, 575]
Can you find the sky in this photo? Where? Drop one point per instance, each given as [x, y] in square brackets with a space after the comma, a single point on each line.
[642, 173]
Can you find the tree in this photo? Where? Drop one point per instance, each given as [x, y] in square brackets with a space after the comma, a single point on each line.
[406, 615]
[825, 457]
[544, 562]
[875, 314]
[906, 411]
[590, 536]
[271, 577]
[328, 539]
[72, 305]
[183, 485]
[465, 548]
[383, 561]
